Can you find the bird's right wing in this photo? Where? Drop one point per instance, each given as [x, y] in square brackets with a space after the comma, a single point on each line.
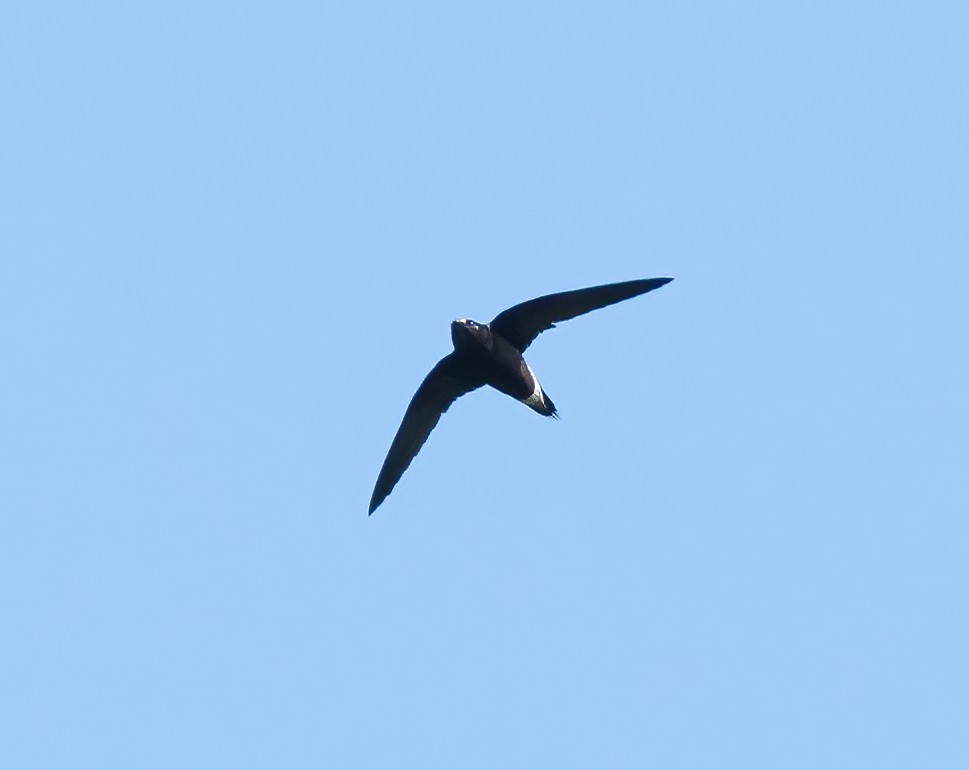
[450, 379]
[521, 324]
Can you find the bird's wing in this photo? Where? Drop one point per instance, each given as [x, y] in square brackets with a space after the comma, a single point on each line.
[450, 379]
[521, 324]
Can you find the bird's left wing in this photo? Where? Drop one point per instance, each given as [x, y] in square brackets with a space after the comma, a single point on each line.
[521, 324]
[450, 379]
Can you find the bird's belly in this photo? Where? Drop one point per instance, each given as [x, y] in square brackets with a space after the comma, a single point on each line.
[516, 381]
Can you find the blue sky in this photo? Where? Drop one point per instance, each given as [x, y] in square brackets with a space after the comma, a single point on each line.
[232, 236]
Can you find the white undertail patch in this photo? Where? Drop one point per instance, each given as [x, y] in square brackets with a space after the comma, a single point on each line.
[538, 397]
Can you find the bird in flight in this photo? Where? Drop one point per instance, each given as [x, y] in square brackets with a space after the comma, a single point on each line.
[491, 354]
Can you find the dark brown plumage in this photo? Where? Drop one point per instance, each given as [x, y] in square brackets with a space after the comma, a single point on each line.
[491, 354]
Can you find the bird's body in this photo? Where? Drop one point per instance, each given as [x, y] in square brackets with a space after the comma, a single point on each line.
[492, 354]
[498, 363]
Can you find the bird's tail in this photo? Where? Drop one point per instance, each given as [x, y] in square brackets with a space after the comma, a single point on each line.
[545, 407]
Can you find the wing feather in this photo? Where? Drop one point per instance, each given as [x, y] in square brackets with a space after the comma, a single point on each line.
[450, 379]
[521, 324]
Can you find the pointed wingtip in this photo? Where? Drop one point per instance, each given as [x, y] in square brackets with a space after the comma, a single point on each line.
[650, 284]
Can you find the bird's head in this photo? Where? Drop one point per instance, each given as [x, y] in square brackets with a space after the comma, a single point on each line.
[470, 334]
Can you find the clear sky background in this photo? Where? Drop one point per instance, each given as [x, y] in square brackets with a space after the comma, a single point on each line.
[232, 237]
